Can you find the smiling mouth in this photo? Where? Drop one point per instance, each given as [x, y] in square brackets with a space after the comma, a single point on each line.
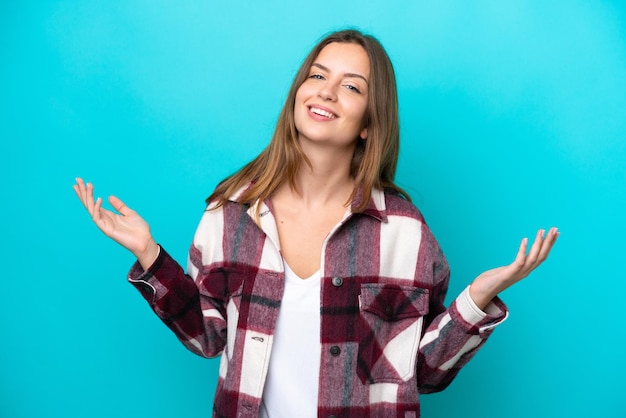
[322, 112]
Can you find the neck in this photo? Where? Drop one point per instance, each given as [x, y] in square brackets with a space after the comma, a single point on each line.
[328, 178]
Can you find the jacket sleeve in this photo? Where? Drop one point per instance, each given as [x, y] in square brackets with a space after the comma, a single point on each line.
[194, 305]
[197, 319]
[451, 336]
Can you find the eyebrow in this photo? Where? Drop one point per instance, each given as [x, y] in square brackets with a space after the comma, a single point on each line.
[354, 75]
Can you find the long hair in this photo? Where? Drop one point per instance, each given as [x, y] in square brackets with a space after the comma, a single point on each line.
[374, 161]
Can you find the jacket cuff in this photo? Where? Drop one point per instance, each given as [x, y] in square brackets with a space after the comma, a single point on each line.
[494, 314]
[141, 278]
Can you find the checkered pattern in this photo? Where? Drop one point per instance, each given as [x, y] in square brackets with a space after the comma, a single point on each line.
[385, 334]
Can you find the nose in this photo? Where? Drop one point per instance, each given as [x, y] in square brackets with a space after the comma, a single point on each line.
[328, 92]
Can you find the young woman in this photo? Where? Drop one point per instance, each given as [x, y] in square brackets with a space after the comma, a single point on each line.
[311, 273]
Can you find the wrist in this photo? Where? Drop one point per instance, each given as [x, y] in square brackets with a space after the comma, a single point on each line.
[148, 256]
[481, 296]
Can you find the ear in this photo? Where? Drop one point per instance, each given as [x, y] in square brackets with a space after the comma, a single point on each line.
[363, 134]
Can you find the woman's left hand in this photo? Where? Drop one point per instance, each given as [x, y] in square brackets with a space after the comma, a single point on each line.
[486, 286]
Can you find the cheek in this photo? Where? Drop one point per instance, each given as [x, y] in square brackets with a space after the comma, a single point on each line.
[298, 110]
[359, 114]
[304, 93]
[297, 105]
[301, 95]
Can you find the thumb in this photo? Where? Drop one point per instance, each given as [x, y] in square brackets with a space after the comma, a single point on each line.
[120, 206]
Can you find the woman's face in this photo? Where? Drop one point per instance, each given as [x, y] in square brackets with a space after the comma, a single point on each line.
[331, 104]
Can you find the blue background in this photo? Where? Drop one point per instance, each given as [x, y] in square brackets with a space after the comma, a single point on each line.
[513, 118]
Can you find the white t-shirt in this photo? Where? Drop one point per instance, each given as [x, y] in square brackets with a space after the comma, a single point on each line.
[293, 375]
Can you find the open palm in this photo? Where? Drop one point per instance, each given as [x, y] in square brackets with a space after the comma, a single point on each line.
[125, 227]
[491, 282]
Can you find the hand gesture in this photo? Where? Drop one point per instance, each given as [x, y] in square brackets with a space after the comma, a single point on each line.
[487, 285]
[126, 228]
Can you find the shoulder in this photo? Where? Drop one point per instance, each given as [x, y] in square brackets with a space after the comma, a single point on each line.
[403, 215]
[397, 206]
[218, 216]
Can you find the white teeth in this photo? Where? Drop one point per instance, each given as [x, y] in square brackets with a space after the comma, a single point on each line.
[322, 113]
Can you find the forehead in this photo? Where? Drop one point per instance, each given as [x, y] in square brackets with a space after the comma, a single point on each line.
[344, 57]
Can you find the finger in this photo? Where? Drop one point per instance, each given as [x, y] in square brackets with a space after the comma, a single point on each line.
[97, 214]
[120, 206]
[83, 187]
[79, 188]
[546, 242]
[549, 241]
[89, 200]
[77, 191]
[79, 183]
[531, 259]
[520, 258]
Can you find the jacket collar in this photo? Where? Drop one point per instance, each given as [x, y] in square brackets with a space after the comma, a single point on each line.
[376, 208]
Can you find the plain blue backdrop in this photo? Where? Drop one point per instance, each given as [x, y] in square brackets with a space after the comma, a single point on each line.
[513, 118]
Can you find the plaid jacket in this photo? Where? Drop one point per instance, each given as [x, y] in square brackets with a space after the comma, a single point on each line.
[385, 334]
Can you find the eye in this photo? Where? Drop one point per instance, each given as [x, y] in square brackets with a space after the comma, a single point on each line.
[353, 88]
[317, 76]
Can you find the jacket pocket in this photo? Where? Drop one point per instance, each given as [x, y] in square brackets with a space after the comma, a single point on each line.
[391, 319]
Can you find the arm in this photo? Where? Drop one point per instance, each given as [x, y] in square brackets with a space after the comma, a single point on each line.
[452, 336]
[197, 320]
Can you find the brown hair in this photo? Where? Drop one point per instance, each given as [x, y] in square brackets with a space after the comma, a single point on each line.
[374, 160]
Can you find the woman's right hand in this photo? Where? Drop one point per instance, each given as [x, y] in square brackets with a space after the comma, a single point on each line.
[126, 228]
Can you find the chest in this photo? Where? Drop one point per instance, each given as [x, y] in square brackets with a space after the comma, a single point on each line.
[302, 237]
[357, 245]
